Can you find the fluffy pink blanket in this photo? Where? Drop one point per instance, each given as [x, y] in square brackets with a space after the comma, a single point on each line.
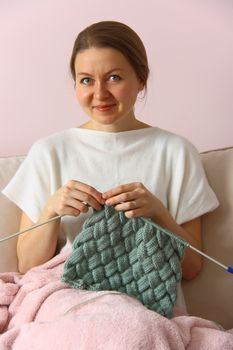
[37, 311]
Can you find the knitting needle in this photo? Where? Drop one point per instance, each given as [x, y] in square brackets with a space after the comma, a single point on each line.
[227, 268]
[183, 241]
[30, 228]
[172, 235]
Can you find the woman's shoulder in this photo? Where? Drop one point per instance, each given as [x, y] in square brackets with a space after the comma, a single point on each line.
[55, 138]
[173, 141]
[54, 141]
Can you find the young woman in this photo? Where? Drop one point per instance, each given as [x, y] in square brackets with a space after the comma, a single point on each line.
[113, 159]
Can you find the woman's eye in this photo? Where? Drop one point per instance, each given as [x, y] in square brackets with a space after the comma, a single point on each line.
[114, 78]
[86, 81]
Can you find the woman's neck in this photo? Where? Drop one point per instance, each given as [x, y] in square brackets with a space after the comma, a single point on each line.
[134, 125]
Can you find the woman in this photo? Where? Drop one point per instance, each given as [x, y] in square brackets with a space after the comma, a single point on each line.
[113, 159]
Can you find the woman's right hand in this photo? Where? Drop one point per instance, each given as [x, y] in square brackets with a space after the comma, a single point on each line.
[74, 198]
[38, 247]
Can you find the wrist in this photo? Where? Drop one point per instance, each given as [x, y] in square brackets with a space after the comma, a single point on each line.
[48, 213]
[162, 216]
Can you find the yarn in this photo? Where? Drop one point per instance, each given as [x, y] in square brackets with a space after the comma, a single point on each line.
[132, 256]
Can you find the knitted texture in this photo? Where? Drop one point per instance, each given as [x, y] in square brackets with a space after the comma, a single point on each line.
[131, 256]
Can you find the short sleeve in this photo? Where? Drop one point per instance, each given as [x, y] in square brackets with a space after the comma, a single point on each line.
[189, 194]
[30, 186]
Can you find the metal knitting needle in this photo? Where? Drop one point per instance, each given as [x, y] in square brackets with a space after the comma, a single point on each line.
[33, 227]
[187, 244]
[172, 235]
[227, 268]
[30, 228]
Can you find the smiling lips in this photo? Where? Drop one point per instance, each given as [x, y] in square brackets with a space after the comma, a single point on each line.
[104, 108]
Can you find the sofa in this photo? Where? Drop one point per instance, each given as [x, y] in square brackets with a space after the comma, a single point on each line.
[209, 295]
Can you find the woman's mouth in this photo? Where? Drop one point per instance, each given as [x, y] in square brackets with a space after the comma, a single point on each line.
[104, 108]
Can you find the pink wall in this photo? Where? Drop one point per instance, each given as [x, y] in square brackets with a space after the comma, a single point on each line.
[190, 49]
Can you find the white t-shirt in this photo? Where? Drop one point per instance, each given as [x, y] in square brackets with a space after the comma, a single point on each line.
[167, 164]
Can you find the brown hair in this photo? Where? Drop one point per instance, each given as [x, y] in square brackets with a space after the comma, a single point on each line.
[118, 36]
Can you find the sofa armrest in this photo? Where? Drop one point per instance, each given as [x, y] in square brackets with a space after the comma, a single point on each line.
[209, 295]
[10, 215]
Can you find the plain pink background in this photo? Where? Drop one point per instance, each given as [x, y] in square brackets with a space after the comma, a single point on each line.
[190, 50]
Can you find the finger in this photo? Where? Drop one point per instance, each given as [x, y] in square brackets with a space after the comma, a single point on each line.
[78, 205]
[127, 206]
[119, 190]
[135, 213]
[80, 186]
[121, 198]
[81, 200]
[70, 206]
[71, 211]
[67, 210]
[86, 194]
[87, 200]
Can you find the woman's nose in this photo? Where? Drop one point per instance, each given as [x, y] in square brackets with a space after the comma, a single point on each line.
[101, 91]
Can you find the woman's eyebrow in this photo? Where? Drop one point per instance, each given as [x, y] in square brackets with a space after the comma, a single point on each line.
[83, 73]
[114, 70]
[90, 75]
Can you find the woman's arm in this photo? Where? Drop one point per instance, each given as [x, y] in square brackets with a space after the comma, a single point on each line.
[192, 263]
[38, 246]
[191, 232]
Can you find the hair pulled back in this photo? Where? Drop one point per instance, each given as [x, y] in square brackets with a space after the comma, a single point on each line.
[114, 35]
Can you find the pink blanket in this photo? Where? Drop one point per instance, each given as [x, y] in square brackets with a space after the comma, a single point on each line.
[37, 311]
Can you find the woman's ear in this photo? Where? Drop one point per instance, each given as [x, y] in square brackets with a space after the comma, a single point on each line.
[141, 86]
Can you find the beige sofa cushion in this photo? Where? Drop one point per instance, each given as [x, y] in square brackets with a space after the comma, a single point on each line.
[10, 214]
[209, 295]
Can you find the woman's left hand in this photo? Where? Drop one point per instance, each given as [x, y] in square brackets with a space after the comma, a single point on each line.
[134, 199]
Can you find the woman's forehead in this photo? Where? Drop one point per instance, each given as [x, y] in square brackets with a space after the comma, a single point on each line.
[106, 59]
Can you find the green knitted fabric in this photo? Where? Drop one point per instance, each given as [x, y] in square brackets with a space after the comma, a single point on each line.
[132, 256]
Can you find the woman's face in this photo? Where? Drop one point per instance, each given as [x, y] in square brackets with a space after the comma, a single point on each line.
[106, 88]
